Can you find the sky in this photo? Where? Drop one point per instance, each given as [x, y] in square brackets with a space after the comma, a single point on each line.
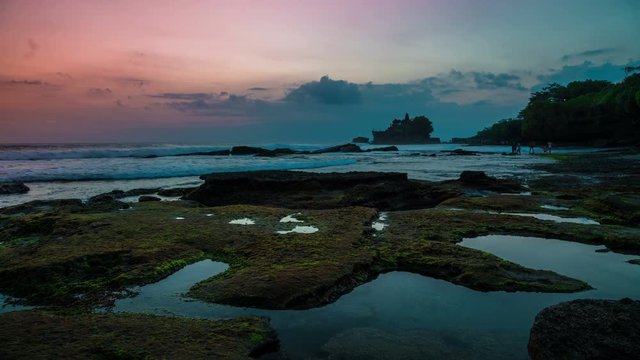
[292, 71]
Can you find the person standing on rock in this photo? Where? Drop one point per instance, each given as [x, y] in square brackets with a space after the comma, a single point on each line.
[532, 147]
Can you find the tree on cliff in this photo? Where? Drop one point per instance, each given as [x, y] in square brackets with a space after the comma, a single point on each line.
[580, 112]
[407, 131]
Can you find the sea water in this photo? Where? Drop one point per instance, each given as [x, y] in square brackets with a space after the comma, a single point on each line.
[85, 170]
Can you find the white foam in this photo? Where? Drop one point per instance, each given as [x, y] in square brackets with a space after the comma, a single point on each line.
[300, 230]
[209, 215]
[243, 221]
[553, 207]
[179, 218]
[378, 226]
[291, 219]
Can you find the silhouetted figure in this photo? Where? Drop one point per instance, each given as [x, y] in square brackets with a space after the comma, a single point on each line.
[532, 147]
[549, 147]
[518, 149]
[514, 148]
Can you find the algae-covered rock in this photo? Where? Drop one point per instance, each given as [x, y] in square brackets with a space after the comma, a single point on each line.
[303, 190]
[13, 188]
[47, 335]
[81, 257]
[587, 329]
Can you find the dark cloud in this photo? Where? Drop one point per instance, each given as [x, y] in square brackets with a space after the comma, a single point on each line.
[64, 75]
[131, 82]
[588, 53]
[40, 85]
[28, 82]
[33, 47]
[119, 103]
[495, 81]
[457, 81]
[258, 89]
[98, 92]
[585, 70]
[183, 96]
[326, 91]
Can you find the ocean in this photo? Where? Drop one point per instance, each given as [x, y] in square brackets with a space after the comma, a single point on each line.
[55, 171]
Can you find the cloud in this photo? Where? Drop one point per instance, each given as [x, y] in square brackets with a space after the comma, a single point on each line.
[588, 54]
[33, 47]
[130, 82]
[326, 91]
[28, 82]
[183, 96]
[119, 103]
[473, 86]
[585, 70]
[98, 92]
[64, 75]
[258, 89]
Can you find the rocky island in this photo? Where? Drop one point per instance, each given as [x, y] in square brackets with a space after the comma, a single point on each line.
[406, 131]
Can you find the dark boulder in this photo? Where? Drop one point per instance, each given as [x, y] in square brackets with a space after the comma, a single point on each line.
[175, 192]
[385, 148]
[587, 329]
[360, 139]
[479, 180]
[295, 189]
[146, 198]
[461, 152]
[250, 150]
[339, 148]
[42, 205]
[13, 188]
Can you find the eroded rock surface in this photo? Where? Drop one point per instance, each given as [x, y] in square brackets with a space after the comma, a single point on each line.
[587, 329]
[45, 335]
[296, 189]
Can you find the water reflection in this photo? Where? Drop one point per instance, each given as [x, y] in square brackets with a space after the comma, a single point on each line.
[412, 316]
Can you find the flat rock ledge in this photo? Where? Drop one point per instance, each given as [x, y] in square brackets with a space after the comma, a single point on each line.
[587, 329]
[13, 188]
[297, 189]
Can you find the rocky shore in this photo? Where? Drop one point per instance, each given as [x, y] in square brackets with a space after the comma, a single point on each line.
[69, 254]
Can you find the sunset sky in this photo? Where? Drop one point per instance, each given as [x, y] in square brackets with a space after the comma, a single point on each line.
[264, 71]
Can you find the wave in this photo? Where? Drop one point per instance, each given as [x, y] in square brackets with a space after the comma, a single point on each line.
[97, 151]
[130, 171]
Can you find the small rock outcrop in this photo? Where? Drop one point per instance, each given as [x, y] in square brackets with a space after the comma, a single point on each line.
[296, 189]
[339, 148]
[587, 329]
[13, 188]
[146, 198]
[360, 140]
[461, 152]
[480, 180]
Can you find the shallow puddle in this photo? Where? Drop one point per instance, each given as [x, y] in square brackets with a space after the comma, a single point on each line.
[300, 230]
[243, 221]
[5, 307]
[553, 207]
[608, 272]
[380, 224]
[389, 314]
[548, 217]
[291, 219]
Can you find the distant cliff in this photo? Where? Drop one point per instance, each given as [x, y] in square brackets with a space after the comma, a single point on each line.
[407, 131]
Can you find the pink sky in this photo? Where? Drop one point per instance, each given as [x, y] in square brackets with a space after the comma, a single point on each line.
[71, 68]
